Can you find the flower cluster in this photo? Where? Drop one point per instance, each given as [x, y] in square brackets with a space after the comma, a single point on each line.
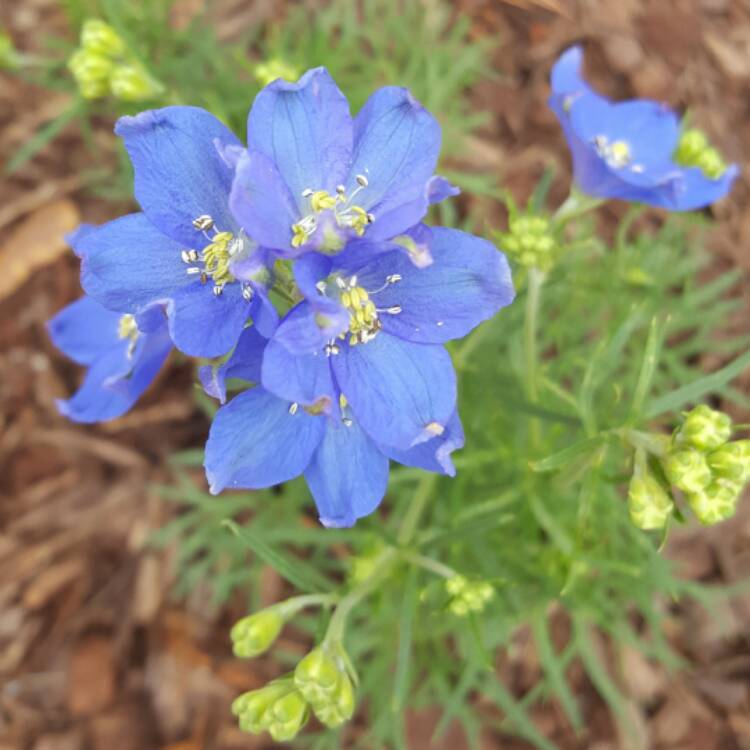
[634, 150]
[300, 262]
[699, 460]
[103, 65]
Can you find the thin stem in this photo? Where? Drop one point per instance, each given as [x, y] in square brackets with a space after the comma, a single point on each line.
[414, 511]
[382, 565]
[575, 205]
[531, 357]
[294, 604]
[429, 564]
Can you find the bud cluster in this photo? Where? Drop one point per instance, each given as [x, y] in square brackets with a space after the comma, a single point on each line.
[467, 596]
[255, 634]
[102, 65]
[277, 708]
[530, 241]
[694, 150]
[706, 466]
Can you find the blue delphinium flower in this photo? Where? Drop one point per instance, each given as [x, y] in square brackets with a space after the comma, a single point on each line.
[122, 358]
[258, 440]
[185, 252]
[336, 404]
[314, 178]
[630, 150]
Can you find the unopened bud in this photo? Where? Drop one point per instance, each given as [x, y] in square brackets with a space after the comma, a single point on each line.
[731, 461]
[92, 72]
[648, 502]
[287, 716]
[694, 150]
[254, 634]
[716, 503]
[468, 596]
[687, 469]
[101, 38]
[130, 83]
[252, 708]
[341, 706]
[705, 428]
[317, 676]
[530, 241]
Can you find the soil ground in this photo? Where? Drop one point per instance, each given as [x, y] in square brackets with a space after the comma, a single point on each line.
[94, 654]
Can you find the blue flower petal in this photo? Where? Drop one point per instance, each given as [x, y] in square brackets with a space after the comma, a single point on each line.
[255, 442]
[179, 172]
[566, 76]
[696, 190]
[76, 237]
[261, 202]
[468, 282]
[305, 378]
[306, 130]
[128, 262]
[264, 314]
[347, 476]
[245, 363]
[116, 380]
[401, 393]
[435, 454]
[396, 147]
[202, 324]
[84, 330]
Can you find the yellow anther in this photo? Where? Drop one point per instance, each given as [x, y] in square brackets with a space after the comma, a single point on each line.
[359, 220]
[620, 152]
[127, 328]
[343, 403]
[346, 300]
[215, 257]
[300, 236]
[321, 200]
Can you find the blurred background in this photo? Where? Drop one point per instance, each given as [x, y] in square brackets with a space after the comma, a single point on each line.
[101, 648]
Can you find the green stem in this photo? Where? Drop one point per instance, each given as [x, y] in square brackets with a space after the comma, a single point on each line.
[531, 356]
[429, 564]
[294, 604]
[414, 511]
[383, 565]
[575, 205]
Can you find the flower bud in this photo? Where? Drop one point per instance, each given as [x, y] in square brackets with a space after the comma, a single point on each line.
[715, 503]
[253, 635]
[130, 83]
[687, 469]
[456, 586]
[731, 461]
[530, 241]
[100, 38]
[287, 716]
[467, 596]
[648, 502]
[92, 72]
[270, 70]
[9, 58]
[341, 706]
[317, 676]
[705, 428]
[252, 708]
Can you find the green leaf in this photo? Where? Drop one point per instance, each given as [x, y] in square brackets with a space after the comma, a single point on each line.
[698, 389]
[304, 577]
[648, 368]
[565, 456]
[404, 653]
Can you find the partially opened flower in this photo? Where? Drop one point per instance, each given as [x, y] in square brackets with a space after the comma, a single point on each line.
[373, 328]
[122, 358]
[633, 150]
[185, 252]
[312, 177]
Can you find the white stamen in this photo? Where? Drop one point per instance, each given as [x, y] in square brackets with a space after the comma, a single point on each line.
[193, 270]
[293, 408]
[362, 181]
[218, 290]
[347, 422]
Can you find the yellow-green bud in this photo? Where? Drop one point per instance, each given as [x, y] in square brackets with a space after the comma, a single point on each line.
[9, 58]
[694, 150]
[648, 502]
[716, 503]
[731, 461]
[287, 716]
[341, 706]
[130, 83]
[687, 469]
[317, 676]
[101, 38]
[254, 634]
[456, 585]
[468, 596]
[252, 708]
[530, 241]
[705, 428]
[270, 70]
[92, 73]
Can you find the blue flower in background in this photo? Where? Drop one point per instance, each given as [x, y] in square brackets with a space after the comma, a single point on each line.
[630, 150]
[122, 358]
[185, 252]
[313, 177]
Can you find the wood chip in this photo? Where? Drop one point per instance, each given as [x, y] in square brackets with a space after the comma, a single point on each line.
[53, 580]
[38, 241]
[92, 675]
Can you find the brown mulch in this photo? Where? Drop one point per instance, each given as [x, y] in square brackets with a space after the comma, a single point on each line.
[94, 655]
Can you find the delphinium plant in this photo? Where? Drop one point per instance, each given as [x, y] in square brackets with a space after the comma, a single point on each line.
[341, 335]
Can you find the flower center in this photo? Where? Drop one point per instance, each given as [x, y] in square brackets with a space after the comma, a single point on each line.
[214, 260]
[617, 154]
[128, 329]
[364, 315]
[346, 214]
